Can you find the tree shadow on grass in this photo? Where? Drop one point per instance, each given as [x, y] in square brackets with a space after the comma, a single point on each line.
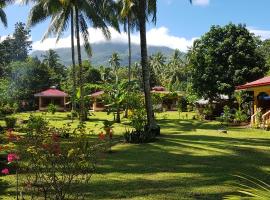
[3, 187]
[200, 162]
[184, 125]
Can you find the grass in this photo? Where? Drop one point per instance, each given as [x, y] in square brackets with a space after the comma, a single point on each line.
[191, 160]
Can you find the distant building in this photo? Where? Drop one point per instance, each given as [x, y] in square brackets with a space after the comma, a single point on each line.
[169, 99]
[97, 101]
[51, 96]
[261, 98]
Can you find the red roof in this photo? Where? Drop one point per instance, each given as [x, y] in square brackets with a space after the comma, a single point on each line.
[52, 92]
[96, 94]
[260, 82]
[158, 88]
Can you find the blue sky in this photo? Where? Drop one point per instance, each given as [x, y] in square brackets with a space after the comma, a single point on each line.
[179, 23]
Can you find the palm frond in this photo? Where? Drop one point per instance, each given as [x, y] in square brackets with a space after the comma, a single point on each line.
[252, 189]
[85, 35]
[3, 17]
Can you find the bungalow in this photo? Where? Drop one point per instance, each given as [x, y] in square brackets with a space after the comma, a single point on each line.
[261, 98]
[97, 101]
[51, 96]
[169, 99]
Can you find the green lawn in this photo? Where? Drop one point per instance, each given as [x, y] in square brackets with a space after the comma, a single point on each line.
[191, 160]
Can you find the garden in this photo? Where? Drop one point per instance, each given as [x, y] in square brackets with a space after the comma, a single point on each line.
[192, 159]
[151, 123]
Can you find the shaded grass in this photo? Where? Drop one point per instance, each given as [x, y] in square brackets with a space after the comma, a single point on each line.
[191, 160]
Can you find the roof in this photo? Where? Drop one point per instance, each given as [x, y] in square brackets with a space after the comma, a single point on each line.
[52, 92]
[260, 82]
[158, 88]
[96, 94]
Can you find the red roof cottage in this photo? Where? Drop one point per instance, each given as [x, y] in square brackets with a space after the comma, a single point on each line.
[52, 96]
[261, 97]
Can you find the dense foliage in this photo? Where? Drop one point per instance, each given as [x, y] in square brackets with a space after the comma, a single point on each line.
[224, 58]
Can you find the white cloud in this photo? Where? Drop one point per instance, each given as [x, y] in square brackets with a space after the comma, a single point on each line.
[201, 2]
[155, 37]
[264, 34]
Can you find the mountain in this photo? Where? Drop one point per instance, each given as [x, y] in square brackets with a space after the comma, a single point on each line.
[103, 51]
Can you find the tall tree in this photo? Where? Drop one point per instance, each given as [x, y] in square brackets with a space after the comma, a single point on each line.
[129, 20]
[223, 58]
[52, 61]
[114, 61]
[146, 8]
[83, 12]
[21, 42]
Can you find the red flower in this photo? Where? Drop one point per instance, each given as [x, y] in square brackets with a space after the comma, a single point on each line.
[5, 171]
[12, 156]
[101, 136]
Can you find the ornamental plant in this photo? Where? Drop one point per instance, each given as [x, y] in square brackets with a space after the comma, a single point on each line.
[57, 166]
[52, 108]
[12, 156]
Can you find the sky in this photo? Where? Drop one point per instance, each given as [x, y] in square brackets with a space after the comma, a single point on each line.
[178, 22]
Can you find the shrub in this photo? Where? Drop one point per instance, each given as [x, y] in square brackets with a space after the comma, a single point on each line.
[52, 108]
[37, 124]
[8, 109]
[226, 116]
[56, 168]
[10, 122]
[140, 133]
[240, 116]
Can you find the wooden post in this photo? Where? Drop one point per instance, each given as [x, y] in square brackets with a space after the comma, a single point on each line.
[64, 103]
[95, 104]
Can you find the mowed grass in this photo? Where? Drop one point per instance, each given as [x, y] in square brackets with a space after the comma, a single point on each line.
[190, 160]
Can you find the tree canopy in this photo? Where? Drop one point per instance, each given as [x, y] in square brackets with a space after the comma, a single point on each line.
[223, 58]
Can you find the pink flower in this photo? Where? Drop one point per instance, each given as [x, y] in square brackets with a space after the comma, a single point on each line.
[12, 156]
[5, 171]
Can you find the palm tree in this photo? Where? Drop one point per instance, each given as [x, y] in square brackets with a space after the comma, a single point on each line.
[114, 61]
[146, 8]
[129, 20]
[79, 12]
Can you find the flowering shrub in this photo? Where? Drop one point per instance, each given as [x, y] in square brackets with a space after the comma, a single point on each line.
[56, 166]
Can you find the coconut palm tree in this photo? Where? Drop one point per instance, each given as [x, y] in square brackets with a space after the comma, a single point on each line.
[79, 13]
[147, 8]
[114, 61]
[128, 18]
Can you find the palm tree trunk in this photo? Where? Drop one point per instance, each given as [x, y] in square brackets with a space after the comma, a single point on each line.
[73, 60]
[82, 107]
[129, 65]
[129, 51]
[145, 67]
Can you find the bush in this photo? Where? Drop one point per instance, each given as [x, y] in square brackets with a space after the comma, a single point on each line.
[240, 116]
[52, 108]
[8, 109]
[56, 168]
[72, 115]
[37, 124]
[10, 122]
[226, 116]
[136, 137]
